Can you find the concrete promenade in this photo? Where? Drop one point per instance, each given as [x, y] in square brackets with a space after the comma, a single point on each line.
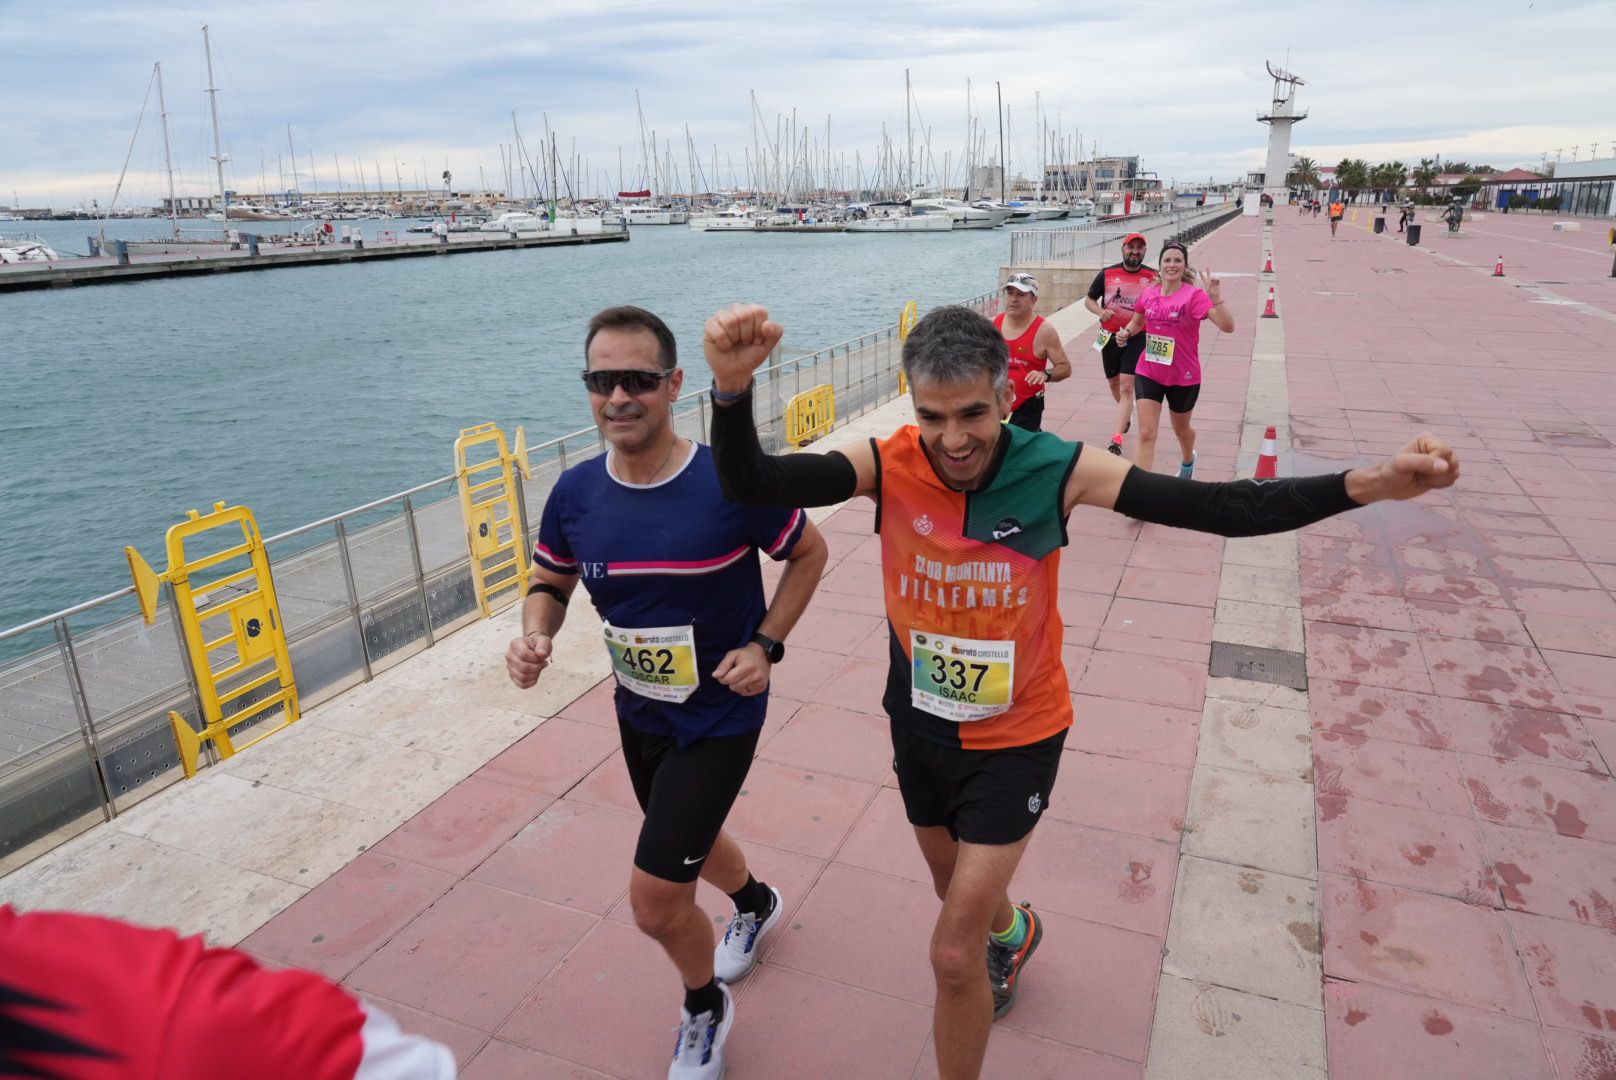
[1404, 870]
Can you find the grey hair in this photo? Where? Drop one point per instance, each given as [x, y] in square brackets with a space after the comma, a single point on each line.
[956, 345]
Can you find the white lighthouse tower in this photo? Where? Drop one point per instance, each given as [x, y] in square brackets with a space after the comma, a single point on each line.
[1279, 119]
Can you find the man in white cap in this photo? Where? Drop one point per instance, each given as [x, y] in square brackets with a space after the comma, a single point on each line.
[1036, 355]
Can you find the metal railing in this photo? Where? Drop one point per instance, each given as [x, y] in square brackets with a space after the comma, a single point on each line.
[84, 731]
[1084, 243]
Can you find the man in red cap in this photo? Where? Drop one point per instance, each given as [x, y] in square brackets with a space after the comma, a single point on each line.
[1112, 297]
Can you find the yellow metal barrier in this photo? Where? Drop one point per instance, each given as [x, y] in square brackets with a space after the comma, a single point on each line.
[810, 414]
[496, 530]
[906, 323]
[204, 588]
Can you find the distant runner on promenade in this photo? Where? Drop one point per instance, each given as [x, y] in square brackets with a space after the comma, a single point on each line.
[972, 514]
[1036, 355]
[672, 567]
[1338, 210]
[1112, 296]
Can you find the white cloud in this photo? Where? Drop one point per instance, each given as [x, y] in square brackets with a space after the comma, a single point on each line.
[1179, 84]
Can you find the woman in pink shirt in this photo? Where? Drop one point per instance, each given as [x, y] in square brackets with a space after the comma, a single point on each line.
[1170, 314]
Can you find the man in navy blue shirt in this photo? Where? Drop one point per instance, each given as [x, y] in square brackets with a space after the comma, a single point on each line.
[673, 570]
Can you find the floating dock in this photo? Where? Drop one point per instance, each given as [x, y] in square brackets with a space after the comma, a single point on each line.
[108, 269]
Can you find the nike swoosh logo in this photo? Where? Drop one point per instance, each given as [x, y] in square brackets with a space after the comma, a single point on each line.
[693, 862]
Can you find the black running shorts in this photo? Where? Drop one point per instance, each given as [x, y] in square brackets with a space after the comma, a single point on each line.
[686, 795]
[979, 796]
[1121, 359]
[1180, 399]
[1029, 415]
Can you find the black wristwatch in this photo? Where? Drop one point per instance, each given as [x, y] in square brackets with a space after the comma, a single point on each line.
[774, 650]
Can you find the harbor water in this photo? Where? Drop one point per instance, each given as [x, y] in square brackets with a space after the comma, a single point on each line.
[303, 392]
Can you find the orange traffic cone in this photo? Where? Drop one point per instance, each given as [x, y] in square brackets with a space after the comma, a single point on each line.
[1268, 311]
[1498, 267]
[1268, 267]
[1268, 456]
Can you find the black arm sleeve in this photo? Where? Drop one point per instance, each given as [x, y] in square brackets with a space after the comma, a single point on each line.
[750, 476]
[1097, 287]
[1234, 508]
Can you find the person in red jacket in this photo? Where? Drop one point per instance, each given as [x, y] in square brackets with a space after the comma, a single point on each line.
[88, 998]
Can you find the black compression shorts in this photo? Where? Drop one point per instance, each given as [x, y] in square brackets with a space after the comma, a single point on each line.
[686, 795]
[979, 796]
[1180, 399]
[1029, 415]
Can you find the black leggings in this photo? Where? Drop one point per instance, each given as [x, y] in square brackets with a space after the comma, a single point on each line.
[685, 793]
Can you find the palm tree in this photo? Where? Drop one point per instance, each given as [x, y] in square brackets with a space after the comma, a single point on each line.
[1425, 175]
[1352, 175]
[1304, 174]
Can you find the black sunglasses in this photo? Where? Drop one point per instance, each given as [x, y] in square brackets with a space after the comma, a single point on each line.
[634, 380]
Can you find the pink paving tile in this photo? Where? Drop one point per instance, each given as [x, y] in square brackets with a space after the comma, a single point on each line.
[474, 955]
[1017, 1057]
[1115, 793]
[595, 706]
[787, 871]
[1551, 738]
[806, 812]
[1108, 877]
[464, 825]
[1193, 652]
[554, 757]
[1603, 734]
[1580, 673]
[1539, 797]
[833, 936]
[1134, 729]
[1096, 549]
[1082, 608]
[1177, 684]
[1442, 560]
[462, 1041]
[1319, 576]
[1434, 946]
[803, 672]
[611, 1005]
[873, 604]
[783, 1021]
[1572, 575]
[1169, 586]
[1554, 876]
[860, 578]
[1463, 589]
[1330, 549]
[1096, 577]
[1572, 968]
[350, 915]
[777, 713]
[824, 739]
[1490, 671]
[1400, 774]
[1349, 708]
[831, 631]
[1356, 609]
[1156, 619]
[1580, 1056]
[1193, 560]
[1553, 600]
[1440, 619]
[501, 1060]
[1375, 1034]
[858, 684]
[1151, 535]
[855, 517]
[884, 841]
[608, 785]
[1093, 986]
[1092, 521]
[1415, 849]
[573, 854]
[1365, 655]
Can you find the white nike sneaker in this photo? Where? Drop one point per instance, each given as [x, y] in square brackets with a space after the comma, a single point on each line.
[699, 1053]
[736, 955]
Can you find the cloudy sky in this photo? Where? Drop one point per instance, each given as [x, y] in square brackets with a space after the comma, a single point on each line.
[377, 83]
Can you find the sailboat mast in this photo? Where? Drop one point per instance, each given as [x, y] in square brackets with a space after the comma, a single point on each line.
[168, 157]
[999, 93]
[909, 138]
[218, 154]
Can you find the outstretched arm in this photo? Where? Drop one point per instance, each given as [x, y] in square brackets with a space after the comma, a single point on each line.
[1256, 507]
[737, 341]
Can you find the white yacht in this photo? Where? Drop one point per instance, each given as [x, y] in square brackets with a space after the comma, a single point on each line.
[730, 219]
[656, 215]
[1015, 211]
[7, 215]
[27, 248]
[515, 221]
[898, 218]
[963, 216]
